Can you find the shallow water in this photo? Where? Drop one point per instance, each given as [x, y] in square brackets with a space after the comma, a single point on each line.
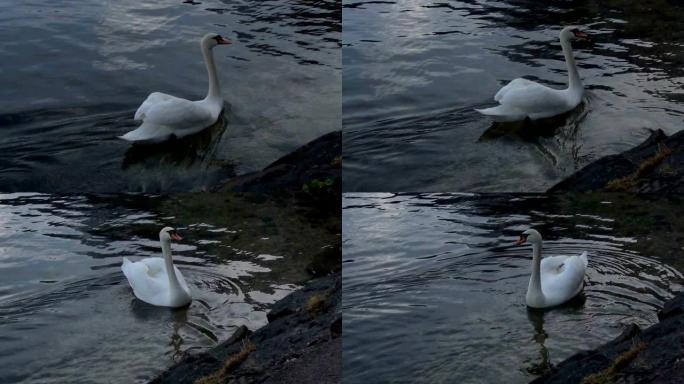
[414, 71]
[67, 313]
[73, 76]
[434, 289]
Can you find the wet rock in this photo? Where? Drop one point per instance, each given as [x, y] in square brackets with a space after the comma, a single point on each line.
[654, 355]
[312, 168]
[194, 366]
[297, 346]
[654, 166]
[674, 307]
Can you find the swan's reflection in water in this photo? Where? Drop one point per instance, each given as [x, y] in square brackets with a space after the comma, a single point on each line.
[177, 161]
[536, 317]
[531, 130]
[176, 317]
[557, 139]
[182, 152]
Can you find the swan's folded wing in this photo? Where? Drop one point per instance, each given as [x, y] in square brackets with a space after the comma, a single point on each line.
[514, 84]
[535, 98]
[176, 117]
[553, 265]
[153, 99]
[562, 276]
[144, 287]
[155, 266]
[179, 114]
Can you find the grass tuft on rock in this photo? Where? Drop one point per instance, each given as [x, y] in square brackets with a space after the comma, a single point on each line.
[316, 304]
[606, 376]
[647, 166]
[235, 360]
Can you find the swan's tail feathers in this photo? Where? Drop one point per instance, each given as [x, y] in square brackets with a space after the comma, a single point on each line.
[503, 114]
[147, 133]
[126, 268]
[585, 258]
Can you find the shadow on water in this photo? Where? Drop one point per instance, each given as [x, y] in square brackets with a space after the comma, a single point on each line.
[530, 130]
[558, 139]
[183, 153]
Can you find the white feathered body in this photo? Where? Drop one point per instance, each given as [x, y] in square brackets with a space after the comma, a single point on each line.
[522, 98]
[164, 116]
[150, 282]
[562, 278]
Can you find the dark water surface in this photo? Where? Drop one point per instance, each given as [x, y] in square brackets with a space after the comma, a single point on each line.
[68, 315]
[434, 289]
[414, 71]
[73, 74]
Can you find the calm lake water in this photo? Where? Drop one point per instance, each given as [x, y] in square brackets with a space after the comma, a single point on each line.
[73, 75]
[434, 289]
[414, 71]
[68, 315]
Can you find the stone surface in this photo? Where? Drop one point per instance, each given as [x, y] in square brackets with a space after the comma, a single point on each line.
[660, 359]
[664, 175]
[297, 346]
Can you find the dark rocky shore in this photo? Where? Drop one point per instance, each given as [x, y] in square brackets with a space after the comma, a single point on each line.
[654, 166]
[300, 344]
[652, 355]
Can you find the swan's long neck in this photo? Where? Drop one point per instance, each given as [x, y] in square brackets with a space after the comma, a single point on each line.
[574, 83]
[214, 91]
[534, 288]
[168, 261]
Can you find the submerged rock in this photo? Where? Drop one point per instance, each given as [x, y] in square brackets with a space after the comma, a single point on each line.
[654, 166]
[653, 355]
[301, 344]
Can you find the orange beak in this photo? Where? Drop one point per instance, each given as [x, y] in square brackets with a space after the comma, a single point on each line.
[223, 41]
[521, 240]
[175, 236]
[583, 36]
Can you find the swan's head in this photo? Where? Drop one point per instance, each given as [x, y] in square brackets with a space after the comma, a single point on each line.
[573, 32]
[210, 40]
[168, 234]
[530, 235]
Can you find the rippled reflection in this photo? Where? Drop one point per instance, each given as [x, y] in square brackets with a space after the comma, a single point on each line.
[434, 289]
[62, 286]
[414, 72]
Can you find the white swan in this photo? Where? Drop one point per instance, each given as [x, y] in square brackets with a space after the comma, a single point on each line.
[165, 116]
[522, 98]
[151, 280]
[555, 279]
